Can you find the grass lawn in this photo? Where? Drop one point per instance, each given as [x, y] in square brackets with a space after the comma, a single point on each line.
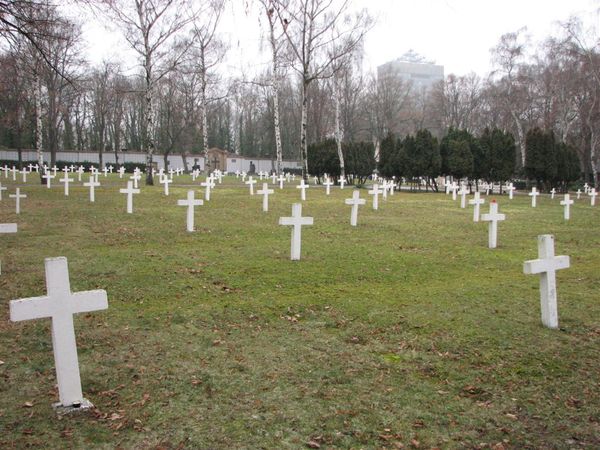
[404, 332]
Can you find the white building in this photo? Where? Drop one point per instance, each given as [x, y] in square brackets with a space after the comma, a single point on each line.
[413, 68]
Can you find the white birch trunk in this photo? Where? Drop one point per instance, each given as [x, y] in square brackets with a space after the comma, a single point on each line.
[38, 125]
[303, 141]
[339, 133]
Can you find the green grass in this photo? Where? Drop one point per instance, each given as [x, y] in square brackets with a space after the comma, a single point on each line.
[406, 330]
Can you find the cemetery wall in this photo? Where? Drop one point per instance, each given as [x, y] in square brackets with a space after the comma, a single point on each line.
[234, 163]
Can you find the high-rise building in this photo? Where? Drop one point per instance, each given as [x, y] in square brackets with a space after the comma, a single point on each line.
[414, 68]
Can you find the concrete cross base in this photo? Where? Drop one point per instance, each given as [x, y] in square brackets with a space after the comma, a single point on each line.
[76, 408]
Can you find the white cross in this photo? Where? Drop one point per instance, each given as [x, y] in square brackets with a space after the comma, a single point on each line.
[17, 196]
[121, 171]
[207, 184]
[447, 185]
[296, 221]
[493, 218]
[237, 173]
[80, 171]
[463, 196]
[24, 174]
[375, 193]
[260, 175]
[92, 184]
[273, 178]
[54, 169]
[66, 180]
[476, 202]
[592, 193]
[552, 192]
[578, 194]
[251, 182]
[265, 191]
[392, 186]
[166, 182]
[328, 183]
[342, 181]
[2, 188]
[129, 191]
[355, 201]
[510, 188]
[288, 177]
[244, 174]
[14, 173]
[171, 172]
[453, 188]
[48, 178]
[586, 187]
[384, 188]
[60, 304]
[303, 187]
[110, 169]
[30, 167]
[546, 266]
[567, 202]
[281, 179]
[135, 177]
[533, 194]
[190, 203]
[6, 169]
[105, 170]
[316, 180]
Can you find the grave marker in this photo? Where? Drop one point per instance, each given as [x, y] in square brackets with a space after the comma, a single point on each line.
[265, 192]
[493, 218]
[2, 188]
[251, 182]
[296, 221]
[190, 202]
[342, 181]
[567, 202]
[166, 181]
[60, 304]
[355, 201]
[510, 188]
[546, 266]
[476, 201]
[592, 193]
[48, 178]
[66, 180]
[130, 190]
[328, 183]
[17, 196]
[375, 193]
[463, 196]
[533, 194]
[303, 187]
[92, 184]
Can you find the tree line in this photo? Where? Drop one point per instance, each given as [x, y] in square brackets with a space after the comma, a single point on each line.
[181, 99]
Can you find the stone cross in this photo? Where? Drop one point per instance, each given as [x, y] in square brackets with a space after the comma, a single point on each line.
[17, 196]
[316, 179]
[355, 201]
[546, 266]
[110, 168]
[121, 171]
[166, 181]
[463, 196]
[476, 202]
[171, 172]
[2, 188]
[60, 304]
[208, 184]
[54, 169]
[592, 193]
[129, 191]
[328, 183]
[190, 203]
[14, 171]
[288, 177]
[493, 218]
[92, 184]
[567, 202]
[578, 194]
[296, 221]
[251, 183]
[392, 186]
[375, 193]
[105, 170]
[80, 171]
[48, 178]
[24, 174]
[265, 192]
[533, 194]
[273, 178]
[237, 173]
[66, 180]
[384, 188]
[303, 187]
[586, 188]
[510, 188]
[453, 188]
[244, 175]
[135, 177]
[552, 193]
[447, 185]
[281, 179]
[342, 181]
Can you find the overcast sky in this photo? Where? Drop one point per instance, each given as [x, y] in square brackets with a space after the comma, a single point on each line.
[457, 34]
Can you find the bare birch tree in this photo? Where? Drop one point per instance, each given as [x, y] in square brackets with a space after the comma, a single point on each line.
[307, 25]
[152, 28]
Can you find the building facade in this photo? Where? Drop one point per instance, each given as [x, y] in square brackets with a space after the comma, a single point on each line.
[413, 68]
